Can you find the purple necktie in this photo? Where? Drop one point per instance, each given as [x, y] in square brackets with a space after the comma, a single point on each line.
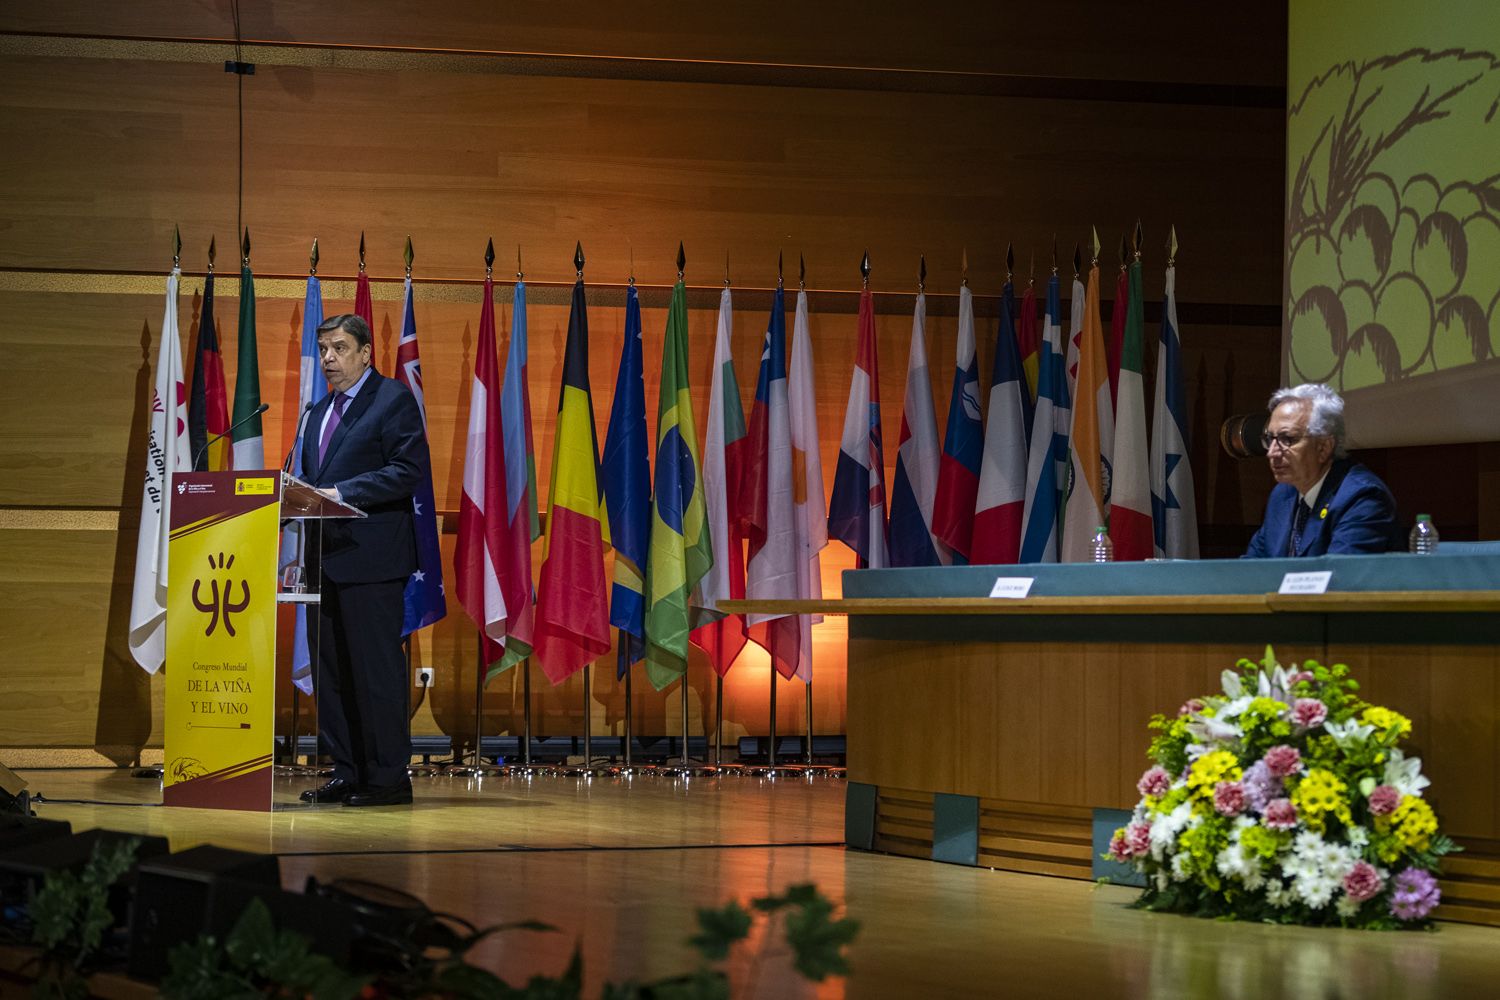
[340, 400]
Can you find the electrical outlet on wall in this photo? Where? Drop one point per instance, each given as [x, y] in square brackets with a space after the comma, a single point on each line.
[424, 677]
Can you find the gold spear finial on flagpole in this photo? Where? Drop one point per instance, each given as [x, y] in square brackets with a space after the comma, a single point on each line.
[1077, 260]
[578, 258]
[212, 252]
[1031, 275]
[864, 268]
[922, 273]
[1097, 246]
[963, 268]
[489, 258]
[1137, 239]
[1172, 246]
[726, 268]
[245, 249]
[780, 268]
[681, 260]
[408, 255]
[361, 251]
[1124, 254]
[801, 271]
[312, 258]
[1054, 253]
[176, 246]
[1010, 262]
[520, 272]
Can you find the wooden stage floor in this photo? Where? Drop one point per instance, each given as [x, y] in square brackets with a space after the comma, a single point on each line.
[621, 864]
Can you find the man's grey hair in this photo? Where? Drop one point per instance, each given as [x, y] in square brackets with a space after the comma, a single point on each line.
[1326, 414]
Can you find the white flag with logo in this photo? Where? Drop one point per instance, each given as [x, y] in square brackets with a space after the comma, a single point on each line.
[167, 451]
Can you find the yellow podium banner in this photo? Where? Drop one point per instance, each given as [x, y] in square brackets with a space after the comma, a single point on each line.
[221, 640]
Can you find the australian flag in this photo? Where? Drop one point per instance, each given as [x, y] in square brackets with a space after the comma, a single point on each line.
[424, 597]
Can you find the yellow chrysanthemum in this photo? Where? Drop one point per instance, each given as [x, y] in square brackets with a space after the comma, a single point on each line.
[1266, 708]
[1414, 823]
[1320, 794]
[1386, 720]
[1210, 769]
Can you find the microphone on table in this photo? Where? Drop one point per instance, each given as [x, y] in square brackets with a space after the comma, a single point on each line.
[262, 408]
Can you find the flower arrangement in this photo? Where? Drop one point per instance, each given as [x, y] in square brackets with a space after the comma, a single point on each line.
[1285, 799]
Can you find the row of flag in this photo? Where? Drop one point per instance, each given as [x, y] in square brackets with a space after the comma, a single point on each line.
[1023, 473]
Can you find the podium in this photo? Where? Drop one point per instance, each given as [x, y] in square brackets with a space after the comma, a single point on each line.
[221, 664]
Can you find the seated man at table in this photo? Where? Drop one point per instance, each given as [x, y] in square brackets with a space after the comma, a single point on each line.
[1323, 503]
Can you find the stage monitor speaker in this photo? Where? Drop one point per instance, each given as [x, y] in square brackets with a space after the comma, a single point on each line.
[172, 899]
[23, 869]
[18, 831]
[13, 795]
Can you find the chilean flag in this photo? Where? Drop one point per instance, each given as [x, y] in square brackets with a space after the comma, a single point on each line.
[856, 510]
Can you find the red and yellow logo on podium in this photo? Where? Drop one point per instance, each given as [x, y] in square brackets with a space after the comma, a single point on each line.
[221, 641]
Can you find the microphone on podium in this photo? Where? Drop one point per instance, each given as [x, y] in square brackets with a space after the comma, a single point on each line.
[262, 408]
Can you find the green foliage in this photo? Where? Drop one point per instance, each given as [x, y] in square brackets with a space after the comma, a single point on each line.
[70, 915]
[257, 960]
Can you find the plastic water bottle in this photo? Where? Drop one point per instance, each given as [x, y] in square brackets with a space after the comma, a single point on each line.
[1104, 549]
[1424, 536]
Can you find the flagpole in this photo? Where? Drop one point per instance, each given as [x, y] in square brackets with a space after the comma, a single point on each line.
[476, 769]
[622, 666]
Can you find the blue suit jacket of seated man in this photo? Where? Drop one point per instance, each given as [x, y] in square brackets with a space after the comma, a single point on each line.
[1354, 513]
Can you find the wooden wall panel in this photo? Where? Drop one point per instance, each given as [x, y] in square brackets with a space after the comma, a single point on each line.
[1071, 38]
[111, 142]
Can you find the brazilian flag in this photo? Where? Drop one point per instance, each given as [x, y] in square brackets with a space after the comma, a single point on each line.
[680, 553]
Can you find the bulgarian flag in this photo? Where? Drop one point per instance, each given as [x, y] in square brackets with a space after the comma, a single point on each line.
[166, 453]
[208, 402]
[1093, 419]
[572, 601]
[769, 507]
[249, 445]
[522, 526]
[807, 481]
[723, 459]
[963, 444]
[1130, 526]
[681, 551]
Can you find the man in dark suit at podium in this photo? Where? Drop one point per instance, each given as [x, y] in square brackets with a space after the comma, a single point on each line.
[364, 444]
[1323, 502]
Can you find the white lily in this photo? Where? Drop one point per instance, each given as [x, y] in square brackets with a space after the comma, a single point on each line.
[1404, 774]
[1232, 685]
[1348, 735]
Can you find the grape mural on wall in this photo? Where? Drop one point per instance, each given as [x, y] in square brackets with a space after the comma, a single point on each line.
[1392, 257]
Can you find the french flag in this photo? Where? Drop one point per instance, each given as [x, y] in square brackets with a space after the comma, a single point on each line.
[856, 510]
[999, 509]
[963, 445]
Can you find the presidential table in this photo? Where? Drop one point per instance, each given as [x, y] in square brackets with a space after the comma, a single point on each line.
[1007, 733]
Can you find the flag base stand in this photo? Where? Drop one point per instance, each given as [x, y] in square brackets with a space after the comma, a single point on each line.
[771, 769]
[686, 767]
[476, 768]
[526, 768]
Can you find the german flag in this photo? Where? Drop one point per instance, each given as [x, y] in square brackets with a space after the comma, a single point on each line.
[572, 606]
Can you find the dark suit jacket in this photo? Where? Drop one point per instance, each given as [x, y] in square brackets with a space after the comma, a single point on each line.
[376, 458]
[1354, 512]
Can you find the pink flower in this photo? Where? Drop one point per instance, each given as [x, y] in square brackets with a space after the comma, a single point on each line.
[1229, 798]
[1363, 882]
[1281, 814]
[1190, 706]
[1283, 760]
[1309, 712]
[1118, 848]
[1384, 800]
[1138, 839]
[1154, 782]
[1300, 676]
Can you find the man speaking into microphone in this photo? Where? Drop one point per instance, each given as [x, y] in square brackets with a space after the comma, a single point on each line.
[363, 444]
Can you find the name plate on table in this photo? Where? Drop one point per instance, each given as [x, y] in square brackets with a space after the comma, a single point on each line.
[1012, 587]
[1306, 583]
